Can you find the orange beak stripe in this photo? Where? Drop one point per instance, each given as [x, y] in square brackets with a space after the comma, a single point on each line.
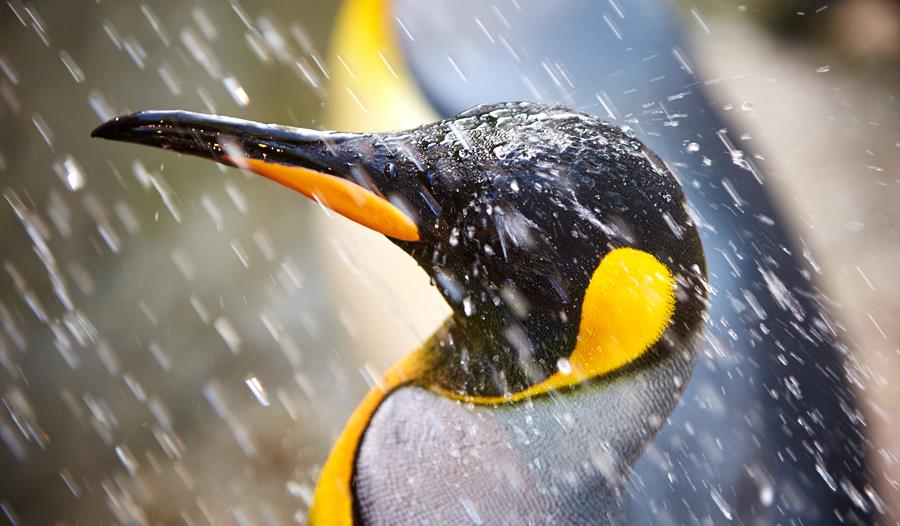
[344, 197]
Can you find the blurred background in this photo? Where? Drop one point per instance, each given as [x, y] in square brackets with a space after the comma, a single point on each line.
[181, 343]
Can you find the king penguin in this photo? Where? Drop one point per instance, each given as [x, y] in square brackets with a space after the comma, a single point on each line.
[577, 284]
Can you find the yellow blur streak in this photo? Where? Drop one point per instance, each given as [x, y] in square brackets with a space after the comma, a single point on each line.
[371, 88]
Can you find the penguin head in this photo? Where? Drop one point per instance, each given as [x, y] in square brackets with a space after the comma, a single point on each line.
[550, 233]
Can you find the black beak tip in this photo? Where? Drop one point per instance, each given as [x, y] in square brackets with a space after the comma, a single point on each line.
[108, 130]
[124, 126]
[121, 127]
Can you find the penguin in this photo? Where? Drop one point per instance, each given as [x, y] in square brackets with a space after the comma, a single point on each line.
[772, 427]
[577, 283]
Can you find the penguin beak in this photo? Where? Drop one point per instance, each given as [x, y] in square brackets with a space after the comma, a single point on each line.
[343, 171]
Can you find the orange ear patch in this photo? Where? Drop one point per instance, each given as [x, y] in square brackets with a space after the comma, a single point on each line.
[628, 304]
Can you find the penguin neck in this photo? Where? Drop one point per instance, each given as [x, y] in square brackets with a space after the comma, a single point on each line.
[506, 332]
[490, 352]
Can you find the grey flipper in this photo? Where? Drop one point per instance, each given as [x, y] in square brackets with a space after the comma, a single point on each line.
[558, 459]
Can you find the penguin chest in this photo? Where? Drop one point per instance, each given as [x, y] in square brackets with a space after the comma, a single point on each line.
[554, 459]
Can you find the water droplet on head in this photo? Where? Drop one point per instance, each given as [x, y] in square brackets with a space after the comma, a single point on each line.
[454, 237]
[468, 307]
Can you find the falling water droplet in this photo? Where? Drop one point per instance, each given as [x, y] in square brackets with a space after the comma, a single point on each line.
[256, 387]
[70, 65]
[237, 91]
[720, 502]
[70, 172]
[468, 307]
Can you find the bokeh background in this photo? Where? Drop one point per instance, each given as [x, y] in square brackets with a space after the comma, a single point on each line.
[181, 343]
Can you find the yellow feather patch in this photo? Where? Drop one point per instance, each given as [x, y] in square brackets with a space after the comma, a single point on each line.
[628, 304]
